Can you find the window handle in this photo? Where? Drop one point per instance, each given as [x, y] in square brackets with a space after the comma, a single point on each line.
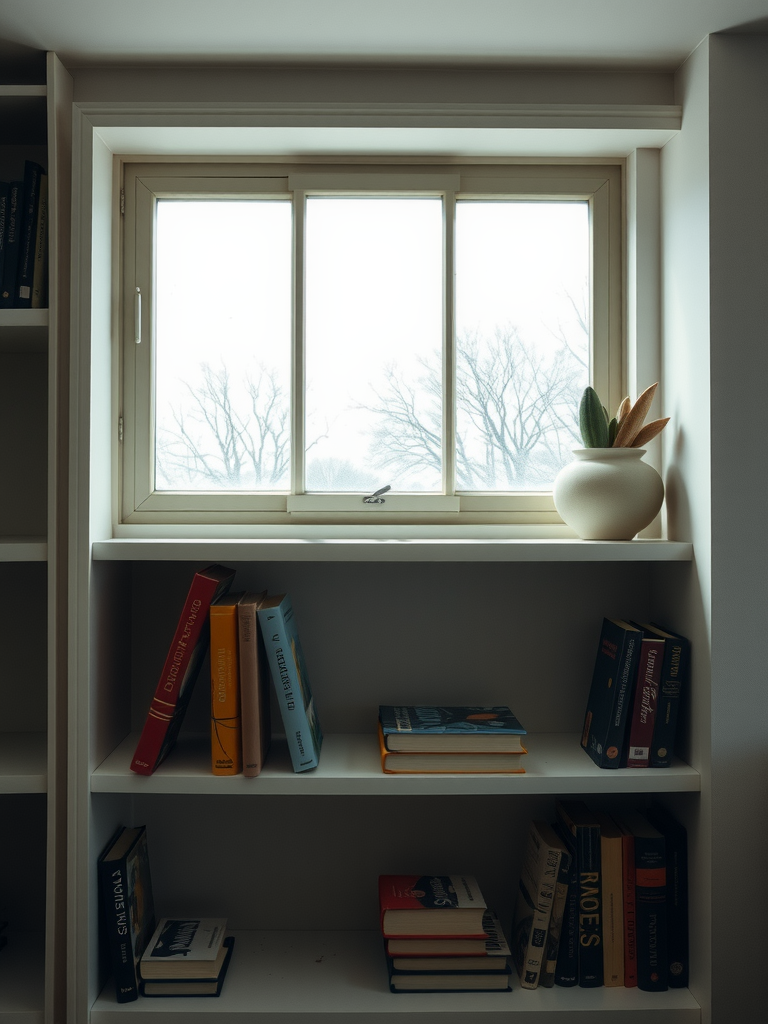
[374, 498]
[137, 316]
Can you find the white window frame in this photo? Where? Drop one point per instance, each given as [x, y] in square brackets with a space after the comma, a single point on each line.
[143, 183]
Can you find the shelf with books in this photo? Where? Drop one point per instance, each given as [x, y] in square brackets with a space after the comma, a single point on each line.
[382, 544]
[350, 766]
[23, 762]
[22, 978]
[328, 976]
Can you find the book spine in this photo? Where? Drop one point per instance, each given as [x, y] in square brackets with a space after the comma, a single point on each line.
[117, 926]
[650, 904]
[547, 976]
[40, 270]
[226, 736]
[645, 703]
[567, 967]
[612, 897]
[254, 695]
[590, 906]
[676, 850]
[12, 235]
[289, 689]
[674, 672]
[26, 265]
[538, 892]
[5, 195]
[189, 633]
[630, 926]
[610, 700]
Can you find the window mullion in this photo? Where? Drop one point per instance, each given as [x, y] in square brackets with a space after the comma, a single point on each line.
[449, 345]
[298, 362]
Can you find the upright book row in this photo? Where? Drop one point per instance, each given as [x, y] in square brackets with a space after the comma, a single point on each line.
[24, 240]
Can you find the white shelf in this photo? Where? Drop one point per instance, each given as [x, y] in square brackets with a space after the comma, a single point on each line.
[330, 977]
[366, 544]
[27, 549]
[350, 766]
[22, 979]
[23, 762]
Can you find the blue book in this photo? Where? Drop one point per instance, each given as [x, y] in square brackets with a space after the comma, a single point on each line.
[461, 728]
[291, 680]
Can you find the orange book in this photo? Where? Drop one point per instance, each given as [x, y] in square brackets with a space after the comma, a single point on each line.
[226, 730]
[448, 762]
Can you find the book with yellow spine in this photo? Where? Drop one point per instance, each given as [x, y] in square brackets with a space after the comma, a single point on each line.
[226, 726]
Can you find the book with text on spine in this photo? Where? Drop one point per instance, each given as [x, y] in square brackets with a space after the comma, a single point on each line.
[585, 829]
[645, 702]
[182, 664]
[492, 944]
[455, 729]
[184, 947]
[254, 685]
[291, 681]
[674, 678]
[226, 734]
[431, 906]
[610, 694]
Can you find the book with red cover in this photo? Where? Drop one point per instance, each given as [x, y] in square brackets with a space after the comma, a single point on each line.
[628, 883]
[431, 905]
[182, 663]
[646, 699]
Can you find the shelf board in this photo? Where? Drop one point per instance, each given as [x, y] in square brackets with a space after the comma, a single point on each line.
[23, 549]
[347, 544]
[23, 762]
[350, 766]
[314, 977]
[22, 979]
[23, 330]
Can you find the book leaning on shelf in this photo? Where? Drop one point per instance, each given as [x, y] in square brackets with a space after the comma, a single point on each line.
[291, 681]
[127, 906]
[182, 664]
[254, 685]
[645, 701]
[609, 704]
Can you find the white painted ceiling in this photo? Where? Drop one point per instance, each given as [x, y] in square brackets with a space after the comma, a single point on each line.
[647, 34]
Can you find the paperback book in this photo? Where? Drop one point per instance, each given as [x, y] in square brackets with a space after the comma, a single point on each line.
[454, 729]
[210, 984]
[431, 905]
[184, 948]
[492, 944]
[394, 762]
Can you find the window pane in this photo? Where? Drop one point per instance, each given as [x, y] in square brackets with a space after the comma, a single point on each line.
[374, 323]
[223, 345]
[522, 340]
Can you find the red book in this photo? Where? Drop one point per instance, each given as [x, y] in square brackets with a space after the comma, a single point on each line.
[190, 642]
[430, 906]
[645, 702]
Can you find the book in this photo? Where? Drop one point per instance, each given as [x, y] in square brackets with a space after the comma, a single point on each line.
[549, 966]
[393, 762]
[431, 905]
[610, 694]
[585, 828]
[674, 678]
[127, 906]
[40, 268]
[492, 944]
[291, 681]
[182, 664]
[192, 986]
[676, 850]
[184, 948]
[453, 729]
[448, 981]
[628, 883]
[33, 173]
[533, 906]
[226, 731]
[254, 685]
[645, 701]
[650, 902]
[5, 194]
[11, 245]
[567, 965]
[612, 898]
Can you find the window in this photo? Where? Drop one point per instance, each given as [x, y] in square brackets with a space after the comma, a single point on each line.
[296, 338]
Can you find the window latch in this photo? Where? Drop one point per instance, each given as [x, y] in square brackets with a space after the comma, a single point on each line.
[137, 316]
[374, 499]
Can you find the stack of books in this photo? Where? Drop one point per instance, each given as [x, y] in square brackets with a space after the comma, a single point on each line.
[440, 936]
[186, 957]
[24, 240]
[456, 740]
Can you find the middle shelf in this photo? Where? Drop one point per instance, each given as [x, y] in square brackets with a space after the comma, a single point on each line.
[350, 766]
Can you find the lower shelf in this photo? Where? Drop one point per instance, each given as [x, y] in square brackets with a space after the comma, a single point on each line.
[331, 977]
[22, 979]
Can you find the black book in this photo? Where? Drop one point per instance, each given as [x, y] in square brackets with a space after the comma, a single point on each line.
[650, 902]
[610, 695]
[25, 270]
[5, 195]
[190, 986]
[11, 244]
[585, 829]
[673, 680]
[676, 843]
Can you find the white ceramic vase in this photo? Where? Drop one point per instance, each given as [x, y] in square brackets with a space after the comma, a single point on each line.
[608, 493]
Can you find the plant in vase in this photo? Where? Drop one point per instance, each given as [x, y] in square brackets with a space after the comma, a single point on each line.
[608, 492]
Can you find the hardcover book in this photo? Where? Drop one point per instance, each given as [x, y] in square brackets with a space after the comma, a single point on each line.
[291, 681]
[492, 944]
[254, 685]
[610, 695]
[226, 732]
[674, 678]
[448, 981]
[184, 948]
[204, 986]
[431, 905]
[628, 882]
[612, 883]
[535, 895]
[424, 763]
[559, 902]
[13, 215]
[650, 902]
[567, 966]
[5, 194]
[127, 905]
[182, 664]
[40, 268]
[585, 828]
[25, 270]
[454, 729]
[645, 701]
[676, 849]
